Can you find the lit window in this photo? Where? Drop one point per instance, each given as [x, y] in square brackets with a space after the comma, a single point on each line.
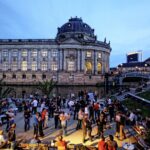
[99, 55]
[54, 53]
[24, 53]
[44, 53]
[44, 66]
[99, 68]
[71, 65]
[14, 66]
[54, 66]
[88, 54]
[24, 65]
[88, 67]
[34, 66]
[34, 54]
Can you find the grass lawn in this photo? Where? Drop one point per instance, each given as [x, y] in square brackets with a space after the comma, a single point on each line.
[133, 105]
[145, 95]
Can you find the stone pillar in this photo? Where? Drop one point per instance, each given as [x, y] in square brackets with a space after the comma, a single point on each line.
[19, 59]
[82, 60]
[49, 60]
[28, 59]
[65, 63]
[39, 59]
[59, 59]
[94, 62]
[62, 59]
[78, 60]
[9, 59]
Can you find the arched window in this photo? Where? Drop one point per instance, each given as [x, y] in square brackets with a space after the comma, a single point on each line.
[88, 66]
[99, 68]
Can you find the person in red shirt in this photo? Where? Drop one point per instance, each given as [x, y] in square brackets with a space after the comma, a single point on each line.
[102, 144]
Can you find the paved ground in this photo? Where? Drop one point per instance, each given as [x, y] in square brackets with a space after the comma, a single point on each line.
[73, 136]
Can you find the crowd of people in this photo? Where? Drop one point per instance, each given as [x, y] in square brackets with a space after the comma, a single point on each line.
[86, 109]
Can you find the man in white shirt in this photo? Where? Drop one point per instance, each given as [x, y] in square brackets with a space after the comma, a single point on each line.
[34, 106]
[3, 141]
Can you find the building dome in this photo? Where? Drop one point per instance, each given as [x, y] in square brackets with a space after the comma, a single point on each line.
[75, 25]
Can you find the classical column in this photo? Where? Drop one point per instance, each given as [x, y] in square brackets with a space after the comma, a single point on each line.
[80, 60]
[9, 59]
[62, 59]
[19, 59]
[29, 59]
[59, 60]
[39, 59]
[95, 64]
[49, 59]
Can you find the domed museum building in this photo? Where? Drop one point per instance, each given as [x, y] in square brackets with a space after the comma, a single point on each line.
[74, 57]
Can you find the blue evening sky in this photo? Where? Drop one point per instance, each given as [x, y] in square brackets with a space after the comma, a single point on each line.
[125, 23]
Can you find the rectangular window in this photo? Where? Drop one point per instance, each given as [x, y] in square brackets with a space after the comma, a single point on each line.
[54, 53]
[54, 66]
[5, 53]
[14, 66]
[44, 53]
[34, 53]
[88, 54]
[15, 53]
[34, 66]
[24, 65]
[44, 66]
[99, 55]
[5, 66]
[71, 66]
[24, 53]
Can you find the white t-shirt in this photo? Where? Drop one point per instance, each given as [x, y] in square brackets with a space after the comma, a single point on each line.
[35, 103]
[2, 139]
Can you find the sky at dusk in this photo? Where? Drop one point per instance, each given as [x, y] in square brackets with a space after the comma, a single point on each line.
[125, 23]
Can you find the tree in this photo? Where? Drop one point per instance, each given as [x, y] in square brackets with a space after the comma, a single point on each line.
[4, 91]
[46, 86]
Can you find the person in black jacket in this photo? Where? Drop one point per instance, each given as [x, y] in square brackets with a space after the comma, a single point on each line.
[27, 116]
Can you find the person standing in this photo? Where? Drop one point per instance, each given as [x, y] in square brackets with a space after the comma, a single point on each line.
[87, 128]
[40, 125]
[35, 123]
[34, 105]
[122, 125]
[100, 125]
[12, 136]
[80, 118]
[56, 117]
[27, 116]
[102, 144]
[111, 144]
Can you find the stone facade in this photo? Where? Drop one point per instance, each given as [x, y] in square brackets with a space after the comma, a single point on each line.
[75, 57]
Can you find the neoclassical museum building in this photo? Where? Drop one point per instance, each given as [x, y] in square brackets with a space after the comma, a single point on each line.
[75, 56]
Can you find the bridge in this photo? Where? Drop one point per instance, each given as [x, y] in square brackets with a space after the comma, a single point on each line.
[138, 75]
